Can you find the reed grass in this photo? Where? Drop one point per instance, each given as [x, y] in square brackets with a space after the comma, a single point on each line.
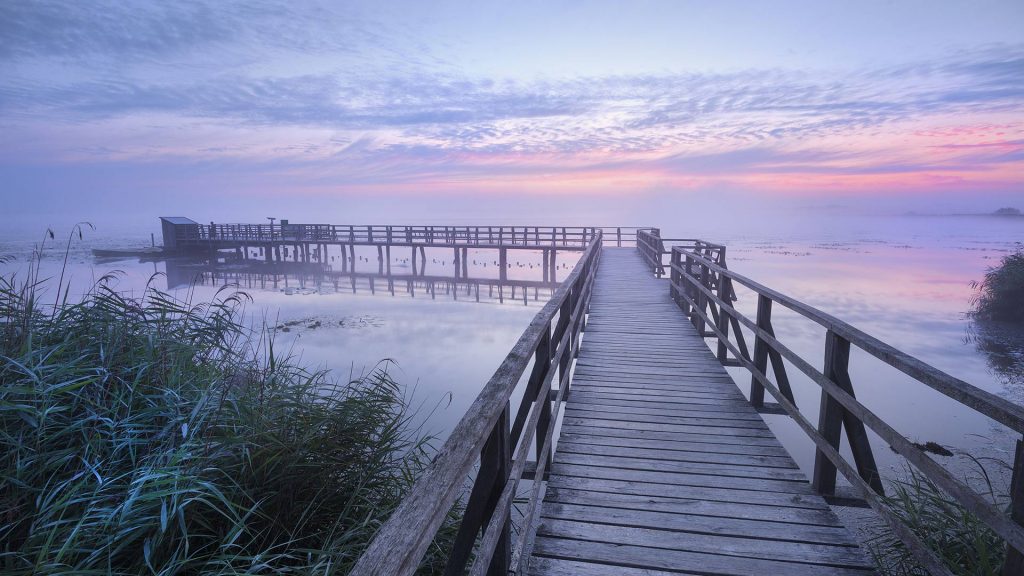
[965, 544]
[157, 436]
[1000, 294]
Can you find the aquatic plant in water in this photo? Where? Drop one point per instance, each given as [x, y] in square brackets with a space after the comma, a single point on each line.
[1001, 293]
[156, 436]
[964, 543]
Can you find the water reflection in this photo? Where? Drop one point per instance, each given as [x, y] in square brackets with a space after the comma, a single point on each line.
[913, 296]
[1003, 347]
[903, 280]
[296, 278]
[347, 321]
[444, 344]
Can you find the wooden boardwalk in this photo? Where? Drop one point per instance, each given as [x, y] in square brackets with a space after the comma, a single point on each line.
[663, 467]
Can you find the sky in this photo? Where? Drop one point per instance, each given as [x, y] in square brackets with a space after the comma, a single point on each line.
[154, 107]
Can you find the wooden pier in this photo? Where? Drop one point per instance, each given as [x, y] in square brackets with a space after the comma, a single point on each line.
[323, 243]
[663, 466]
[661, 463]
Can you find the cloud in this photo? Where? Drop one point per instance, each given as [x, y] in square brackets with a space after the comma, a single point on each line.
[326, 95]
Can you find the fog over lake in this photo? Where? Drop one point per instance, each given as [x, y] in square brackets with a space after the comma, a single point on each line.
[905, 279]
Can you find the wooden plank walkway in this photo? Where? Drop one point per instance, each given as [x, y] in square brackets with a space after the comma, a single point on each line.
[663, 467]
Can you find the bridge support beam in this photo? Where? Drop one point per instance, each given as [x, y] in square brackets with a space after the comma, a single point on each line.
[832, 417]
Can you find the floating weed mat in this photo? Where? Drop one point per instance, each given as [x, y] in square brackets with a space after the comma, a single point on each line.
[156, 436]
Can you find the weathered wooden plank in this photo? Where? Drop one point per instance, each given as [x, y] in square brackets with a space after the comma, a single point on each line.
[716, 469]
[803, 552]
[541, 566]
[681, 478]
[665, 412]
[709, 493]
[624, 377]
[684, 522]
[655, 427]
[658, 393]
[635, 398]
[581, 411]
[582, 436]
[661, 387]
[643, 557]
[698, 506]
[674, 438]
[571, 446]
[733, 408]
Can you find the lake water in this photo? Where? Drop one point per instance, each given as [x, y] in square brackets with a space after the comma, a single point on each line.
[903, 279]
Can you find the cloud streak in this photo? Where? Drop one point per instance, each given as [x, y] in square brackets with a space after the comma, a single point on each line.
[339, 99]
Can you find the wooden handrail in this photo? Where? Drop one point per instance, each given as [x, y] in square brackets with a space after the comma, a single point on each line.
[652, 248]
[702, 288]
[991, 405]
[485, 435]
[571, 237]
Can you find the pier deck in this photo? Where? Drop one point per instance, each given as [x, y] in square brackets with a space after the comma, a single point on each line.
[662, 466]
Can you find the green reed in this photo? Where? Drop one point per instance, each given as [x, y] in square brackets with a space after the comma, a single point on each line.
[964, 543]
[155, 435]
[1000, 294]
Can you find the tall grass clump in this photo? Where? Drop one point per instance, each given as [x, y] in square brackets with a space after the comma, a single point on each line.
[965, 544]
[153, 436]
[1000, 294]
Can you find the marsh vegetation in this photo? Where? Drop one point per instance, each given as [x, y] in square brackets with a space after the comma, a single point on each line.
[1000, 294]
[153, 435]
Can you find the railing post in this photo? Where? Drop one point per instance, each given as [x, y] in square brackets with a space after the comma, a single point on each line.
[833, 418]
[495, 465]
[543, 355]
[674, 280]
[702, 298]
[659, 251]
[560, 327]
[837, 364]
[502, 461]
[830, 413]
[723, 320]
[764, 320]
[1014, 563]
[694, 294]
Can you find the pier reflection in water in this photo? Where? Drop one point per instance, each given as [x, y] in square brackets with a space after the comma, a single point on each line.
[445, 345]
[293, 277]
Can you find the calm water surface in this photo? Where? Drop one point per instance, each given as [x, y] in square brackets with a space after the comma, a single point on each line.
[905, 280]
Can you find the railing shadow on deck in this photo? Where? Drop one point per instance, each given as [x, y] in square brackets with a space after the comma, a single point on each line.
[494, 442]
[704, 288]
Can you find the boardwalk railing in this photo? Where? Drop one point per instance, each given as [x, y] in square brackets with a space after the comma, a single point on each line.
[495, 442]
[656, 251]
[541, 236]
[703, 288]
